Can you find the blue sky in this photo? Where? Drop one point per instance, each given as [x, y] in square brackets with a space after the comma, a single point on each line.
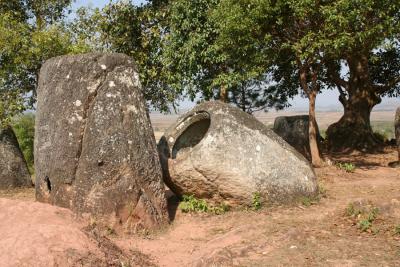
[97, 3]
[327, 99]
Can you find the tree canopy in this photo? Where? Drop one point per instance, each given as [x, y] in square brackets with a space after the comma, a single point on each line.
[209, 65]
[30, 32]
[348, 45]
[253, 54]
[362, 54]
[137, 31]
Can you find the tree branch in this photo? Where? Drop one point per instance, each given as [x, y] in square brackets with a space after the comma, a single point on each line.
[303, 76]
[342, 96]
[336, 79]
[383, 88]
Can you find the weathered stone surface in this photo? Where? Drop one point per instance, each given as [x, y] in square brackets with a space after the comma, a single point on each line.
[13, 169]
[221, 153]
[397, 127]
[95, 150]
[294, 130]
[397, 136]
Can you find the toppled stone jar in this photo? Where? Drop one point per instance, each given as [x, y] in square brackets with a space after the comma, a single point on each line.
[223, 154]
[95, 150]
[13, 169]
[294, 130]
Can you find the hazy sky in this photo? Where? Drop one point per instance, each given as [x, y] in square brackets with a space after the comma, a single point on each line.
[327, 99]
[98, 3]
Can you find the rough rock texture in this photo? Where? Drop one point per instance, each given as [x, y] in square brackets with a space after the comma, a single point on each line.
[294, 130]
[397, 136]
[36, 234]
[95, 150]
[13, 169]
[221, 153]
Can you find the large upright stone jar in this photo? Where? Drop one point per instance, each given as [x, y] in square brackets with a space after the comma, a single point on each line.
[223, 154]
[13, 169]
[294, 130]
[95, 150]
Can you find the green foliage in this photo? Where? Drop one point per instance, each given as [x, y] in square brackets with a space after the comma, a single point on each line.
[312, 45]
[208, 65]
[220, 209]
[190, 204]
[364, 215]
[137, 31]
[352, 210]
[348, 167]
[110, 230]
[174, 45]
[256, 203]
[30, 33]
[282, 37]
[322, 192]
[397, 229]
[306, 201]
[11, 104]
[24, 128]
[365, 224]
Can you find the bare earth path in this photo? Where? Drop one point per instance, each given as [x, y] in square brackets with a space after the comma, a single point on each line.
[318, 235]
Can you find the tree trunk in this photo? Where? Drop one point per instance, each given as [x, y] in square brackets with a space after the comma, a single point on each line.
[223, 94]
[353, 131]
[312, 131]
[311, 92]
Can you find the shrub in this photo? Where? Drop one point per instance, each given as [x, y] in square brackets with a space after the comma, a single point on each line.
[191, 204]
[365, 215]
[306, 201]
[381, 136]
[348, 167]
[397, 229]
[322, 192]
[256, 204]
[366, 223]
[24, 128]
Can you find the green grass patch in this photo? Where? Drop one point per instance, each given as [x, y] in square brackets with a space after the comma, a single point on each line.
[364, 216]
[348, 167]
[191, 204]
[256, 203]
[397, 229]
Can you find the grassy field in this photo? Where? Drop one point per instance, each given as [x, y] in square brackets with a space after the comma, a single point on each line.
[385, 128]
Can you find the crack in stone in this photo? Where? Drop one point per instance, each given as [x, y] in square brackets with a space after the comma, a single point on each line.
[87, 106]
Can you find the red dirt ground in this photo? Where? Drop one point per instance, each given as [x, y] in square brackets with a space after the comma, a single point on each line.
[320, 234]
